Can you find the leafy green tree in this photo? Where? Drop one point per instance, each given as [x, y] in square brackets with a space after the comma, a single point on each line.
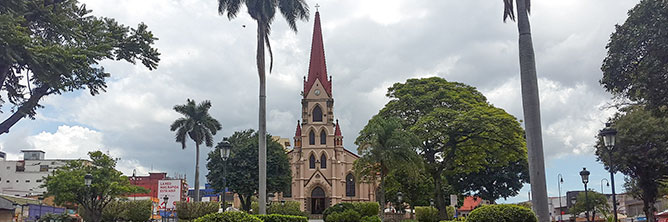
[50, 47]
[530, 104]
[461, 135]
[199, 126]
[383, 144]
[263, 12]
[242, 168]
[66, 184]
[639, 152]
[415, 185]
[594, 202]
[637, 60]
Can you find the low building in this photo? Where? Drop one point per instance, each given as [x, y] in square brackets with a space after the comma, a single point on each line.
[24, 177]
[470, 203]
[13, 208]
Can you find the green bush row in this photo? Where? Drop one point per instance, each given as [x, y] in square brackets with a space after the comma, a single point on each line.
[134, 211]
[282, 218]
[244, 217]
[344, 212]
[430, 214]
[194, 210]
[286, 208]
[502, 213]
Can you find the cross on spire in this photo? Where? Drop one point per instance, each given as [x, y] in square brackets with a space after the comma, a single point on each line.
[316, 7]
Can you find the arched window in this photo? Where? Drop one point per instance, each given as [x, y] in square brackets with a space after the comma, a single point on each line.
[311, 138]
[311, 162]
[350, 185]
[323, 137]
[323, 161]
[317, 114]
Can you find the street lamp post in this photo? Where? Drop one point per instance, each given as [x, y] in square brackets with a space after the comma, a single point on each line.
[166, 198]
[400, 198]
[225, 154]
[609, 135]
[585, 179]
[134, 182]
[607, 183]
[560, 180]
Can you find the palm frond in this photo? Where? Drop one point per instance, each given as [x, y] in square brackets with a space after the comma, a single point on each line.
[271, 54]
[293, 10]
[208, 138]
[231, 6]
[509, 10]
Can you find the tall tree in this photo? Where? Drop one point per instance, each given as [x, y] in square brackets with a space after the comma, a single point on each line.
[242, 169]
[639, 153]
[413, 182]
[530, 105]
[592, 203]
[461, 135]
[263, 12]
[197, 124]
[637, 61]
[66, 184]
[52, 47]
[383, 145]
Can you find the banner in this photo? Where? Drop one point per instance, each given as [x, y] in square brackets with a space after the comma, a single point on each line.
[171, 189]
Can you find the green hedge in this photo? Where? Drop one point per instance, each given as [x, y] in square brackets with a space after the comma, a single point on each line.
[349, 215]
[287, 208]
[194, 210]
[426, 214]
[228, 216]
[370, 219]
[133, 211]
[502, 213]
[363, 209]
[282, 218]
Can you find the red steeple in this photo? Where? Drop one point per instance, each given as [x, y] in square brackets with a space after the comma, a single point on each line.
[298, 132]
[317, 67]
[337, 132]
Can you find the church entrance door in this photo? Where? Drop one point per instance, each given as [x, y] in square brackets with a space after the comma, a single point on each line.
[317, 201]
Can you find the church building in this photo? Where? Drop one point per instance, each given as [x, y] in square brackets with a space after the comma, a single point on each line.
[322, 169]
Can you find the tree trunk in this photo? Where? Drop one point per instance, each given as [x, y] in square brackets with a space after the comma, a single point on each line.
[381, 195]
[24, 109]
[262, 129]
[4, 72]
[196, 171]
[412, 211]
[438, 198]
[648, 206]
[531, 107]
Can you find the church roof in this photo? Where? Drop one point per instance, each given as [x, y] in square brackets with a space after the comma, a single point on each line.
[337, 132]
[298, 132]
[317, 68]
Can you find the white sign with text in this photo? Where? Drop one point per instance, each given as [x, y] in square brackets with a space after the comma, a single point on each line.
[171, 189]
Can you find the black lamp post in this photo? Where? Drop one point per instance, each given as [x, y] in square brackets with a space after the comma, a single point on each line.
[609, 135]
[560, 180]
[134, 182]
[166, 198]
[225, 154]
[585, 179]
[88, 179]
[400, 198]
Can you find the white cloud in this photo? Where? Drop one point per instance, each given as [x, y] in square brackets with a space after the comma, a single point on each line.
[68, 142]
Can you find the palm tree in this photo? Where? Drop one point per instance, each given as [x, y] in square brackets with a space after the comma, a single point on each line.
[383, 145]
[199, 126]
[263, 12]
[531, 105]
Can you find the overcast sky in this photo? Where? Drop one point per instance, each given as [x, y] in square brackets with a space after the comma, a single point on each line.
[369, 45]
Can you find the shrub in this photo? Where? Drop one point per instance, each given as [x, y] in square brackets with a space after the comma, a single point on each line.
[287, 208]
[367, 208]
[56, 217]
[502, 213]
[228, 216]
[133, 211]
[337, 208]
[370, 219]
[426, 214]
[138, 211]
[194, 210]
[282, 218]
[349, 215]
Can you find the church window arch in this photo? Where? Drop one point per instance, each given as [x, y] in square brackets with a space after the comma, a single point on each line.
[323, 137]
[317, 114]
[311, 138]
[350, 185]
[311, 161]
[323, 161]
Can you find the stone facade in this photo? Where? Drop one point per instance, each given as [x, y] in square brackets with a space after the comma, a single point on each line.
[321, 167]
